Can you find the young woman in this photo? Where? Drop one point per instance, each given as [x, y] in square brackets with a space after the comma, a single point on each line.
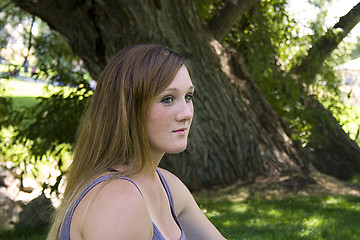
[141, 109]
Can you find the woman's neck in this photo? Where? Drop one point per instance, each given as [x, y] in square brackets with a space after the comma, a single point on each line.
[156, 158]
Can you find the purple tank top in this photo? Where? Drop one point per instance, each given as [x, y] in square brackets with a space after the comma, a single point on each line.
[65, 227]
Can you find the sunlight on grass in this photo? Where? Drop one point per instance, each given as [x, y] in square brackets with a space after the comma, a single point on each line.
[312, 225]
[25, 93]
[23, 88]
[324, 217]
[274, 213]
[240, 208]
[211, 214]
[257, 222]
[331, 201]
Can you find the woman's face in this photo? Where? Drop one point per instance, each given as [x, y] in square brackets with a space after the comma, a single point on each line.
[170, 116]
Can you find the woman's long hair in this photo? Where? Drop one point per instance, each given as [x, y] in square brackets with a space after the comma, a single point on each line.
[113, 129]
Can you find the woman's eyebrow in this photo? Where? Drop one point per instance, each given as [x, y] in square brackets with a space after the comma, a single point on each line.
[176, 89]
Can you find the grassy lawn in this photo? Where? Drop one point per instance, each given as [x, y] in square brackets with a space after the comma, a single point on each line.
[23, 93]
[323, 217]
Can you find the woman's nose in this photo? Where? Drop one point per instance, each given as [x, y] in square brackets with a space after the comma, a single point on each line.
[186, 111]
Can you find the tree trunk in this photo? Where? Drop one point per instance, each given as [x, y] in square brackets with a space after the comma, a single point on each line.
[235, 133]
[334, 153]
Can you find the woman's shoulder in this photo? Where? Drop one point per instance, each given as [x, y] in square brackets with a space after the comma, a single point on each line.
[115, 205]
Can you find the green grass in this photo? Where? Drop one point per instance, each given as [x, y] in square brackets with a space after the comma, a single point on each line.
[326, 217]
[23, 88]
[22, 235]
[320, 218]
[23, 93]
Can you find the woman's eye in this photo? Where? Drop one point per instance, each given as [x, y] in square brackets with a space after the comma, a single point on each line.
[167, 99]
[188, 97]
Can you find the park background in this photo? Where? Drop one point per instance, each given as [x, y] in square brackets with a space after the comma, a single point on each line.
[277, 102]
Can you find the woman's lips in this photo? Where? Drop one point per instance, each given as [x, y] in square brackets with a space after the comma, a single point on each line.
[180, 131]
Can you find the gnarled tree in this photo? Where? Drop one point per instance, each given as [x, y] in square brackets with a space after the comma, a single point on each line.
[235, 134]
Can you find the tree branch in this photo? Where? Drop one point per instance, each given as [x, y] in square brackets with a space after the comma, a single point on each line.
[227, 16]
[350, 20]
[30, 36]
[5, 6]
[324, 46]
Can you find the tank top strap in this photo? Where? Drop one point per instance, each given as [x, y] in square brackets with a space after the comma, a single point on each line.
[171, 201]
[167, 188]
[102, 179]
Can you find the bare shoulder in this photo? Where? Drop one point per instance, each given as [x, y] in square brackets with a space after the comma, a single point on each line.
[111, 210]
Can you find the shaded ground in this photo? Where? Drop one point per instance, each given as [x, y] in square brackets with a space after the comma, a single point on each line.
[315, 184]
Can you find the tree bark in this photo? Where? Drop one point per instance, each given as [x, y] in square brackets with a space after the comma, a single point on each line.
[235, 133]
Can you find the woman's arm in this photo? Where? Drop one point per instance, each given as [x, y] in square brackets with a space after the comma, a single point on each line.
[193, 221]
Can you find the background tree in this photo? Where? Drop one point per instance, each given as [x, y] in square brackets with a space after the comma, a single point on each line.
[236, 133]
[291, 91]
[333, 151]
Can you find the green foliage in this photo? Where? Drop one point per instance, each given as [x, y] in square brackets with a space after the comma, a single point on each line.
[356, 51]
[207, 8]
[23, 235]
[43, 134]
[25, 143]
[268, 37]
[6, 106]
[14, 23]
[56, 60]
[324, 217]
[9, 15]
[4, 34]
[272, 44]
[327, 88]
[50, 122]
[347, 115]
